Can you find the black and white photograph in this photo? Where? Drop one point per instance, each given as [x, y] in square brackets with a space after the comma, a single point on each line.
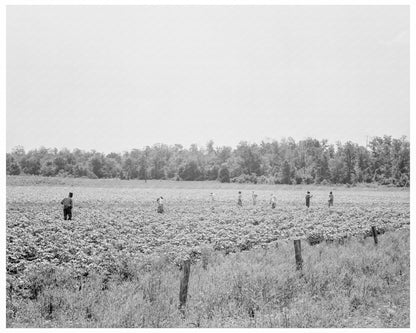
[190, 165]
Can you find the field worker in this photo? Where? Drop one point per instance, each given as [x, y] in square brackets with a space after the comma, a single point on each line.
[67, 202]
[273, 200]
[254, 197]
[308, 198]
[212, 201]
[240, 200]
[331, 199]
[160, 205]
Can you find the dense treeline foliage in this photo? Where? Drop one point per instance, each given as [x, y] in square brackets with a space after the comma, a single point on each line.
[385, 160]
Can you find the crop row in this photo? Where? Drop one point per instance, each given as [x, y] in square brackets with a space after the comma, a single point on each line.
[101, 237]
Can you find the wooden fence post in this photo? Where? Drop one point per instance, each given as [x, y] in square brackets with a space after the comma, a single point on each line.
[10, 291]
[374, 232]
[298, 254]
[183, 290]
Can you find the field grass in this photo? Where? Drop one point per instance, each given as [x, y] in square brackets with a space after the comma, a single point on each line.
[212, 185]
[356, 284]
[116, 263]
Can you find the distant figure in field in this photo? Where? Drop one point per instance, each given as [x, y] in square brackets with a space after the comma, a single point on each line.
[273, 200]
[308, 198]
[240, 200]
[212, 201]
[160, 205]
[68, 203]
[254, 197]
[331, 199]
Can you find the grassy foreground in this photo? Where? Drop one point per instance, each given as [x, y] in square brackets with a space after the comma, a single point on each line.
[355, 284]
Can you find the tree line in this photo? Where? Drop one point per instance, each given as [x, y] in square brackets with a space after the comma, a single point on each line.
[385, 160]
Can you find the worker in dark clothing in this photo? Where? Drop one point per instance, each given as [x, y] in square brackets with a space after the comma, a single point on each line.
[239, 200]
[331, 199]
[68, 204]
[308, 198]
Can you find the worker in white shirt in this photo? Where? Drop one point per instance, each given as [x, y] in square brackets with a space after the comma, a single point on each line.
[273, 200]
[160, 205]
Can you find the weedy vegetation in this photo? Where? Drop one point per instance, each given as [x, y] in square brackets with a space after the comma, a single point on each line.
[117, 264]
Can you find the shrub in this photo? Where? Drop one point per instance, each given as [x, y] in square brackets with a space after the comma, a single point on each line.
[315, 238]
[224, 174]
[243, 179]
[12, 166]
[190, 171]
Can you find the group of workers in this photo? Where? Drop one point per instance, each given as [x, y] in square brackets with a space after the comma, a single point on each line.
[68, 202]
[308, 197]
[273, 199]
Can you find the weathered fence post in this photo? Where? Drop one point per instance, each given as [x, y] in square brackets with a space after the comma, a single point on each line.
[10, 292]
[374, 231]
[298, 254]
[183, 290]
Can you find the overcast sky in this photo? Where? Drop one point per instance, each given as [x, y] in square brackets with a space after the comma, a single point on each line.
[112, 78]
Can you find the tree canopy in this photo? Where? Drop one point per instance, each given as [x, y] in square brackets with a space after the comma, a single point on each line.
[385, 160]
